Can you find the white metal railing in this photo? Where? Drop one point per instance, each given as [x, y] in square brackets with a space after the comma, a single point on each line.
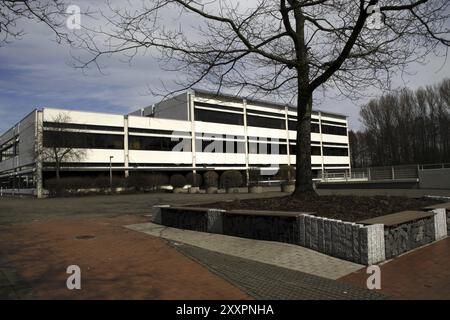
[390, 173]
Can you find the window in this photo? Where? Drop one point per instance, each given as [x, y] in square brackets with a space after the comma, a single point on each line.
[219, 117]
[333, 122]
[9, 152]
[158, 143]
[266, 147]
[315, 151]
[292, 125]
[63, 139]
[264, 122]
[292, 149]
[80, 126]
[158, 131]
[329, 151]
[217, 106]
[340, 131]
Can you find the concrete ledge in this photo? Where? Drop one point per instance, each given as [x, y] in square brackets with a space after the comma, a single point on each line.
[440, 223]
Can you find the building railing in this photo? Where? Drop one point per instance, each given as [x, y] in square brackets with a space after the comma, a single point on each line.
[385, 173]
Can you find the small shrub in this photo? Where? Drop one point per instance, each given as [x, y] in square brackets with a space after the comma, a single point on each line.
[211, 179]
[158, 179]
[101, 182]
[195, 180]
[177, 180]
[138, 181]
[231, 179]
[286, 174]
[254, 176]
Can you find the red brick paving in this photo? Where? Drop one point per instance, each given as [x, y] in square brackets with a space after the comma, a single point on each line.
[117, 264]
[421, 274]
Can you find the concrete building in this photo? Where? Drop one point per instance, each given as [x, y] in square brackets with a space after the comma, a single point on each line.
[193, 131]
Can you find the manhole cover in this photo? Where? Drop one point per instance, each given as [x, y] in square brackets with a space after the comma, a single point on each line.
[85, 237]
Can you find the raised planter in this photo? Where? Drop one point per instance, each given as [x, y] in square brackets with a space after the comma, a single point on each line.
[407, 230]
[194, 190]
[180, 190]
[232, 190]
[211, 190]
[368, 242]
[287, 188]
[255, 189]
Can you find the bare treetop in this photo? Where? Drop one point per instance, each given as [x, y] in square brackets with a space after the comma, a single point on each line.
[259, 46]
[52, 13]
[289, 48]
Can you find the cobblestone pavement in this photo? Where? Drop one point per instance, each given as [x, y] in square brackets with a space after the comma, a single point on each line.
[115, 264]
[421, 274]
[265, 281]
[275, 253]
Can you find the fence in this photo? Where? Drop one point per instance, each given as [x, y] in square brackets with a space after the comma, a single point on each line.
[389, 173]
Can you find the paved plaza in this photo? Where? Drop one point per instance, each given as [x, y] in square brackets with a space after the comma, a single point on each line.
[279, 254]
[124, 256]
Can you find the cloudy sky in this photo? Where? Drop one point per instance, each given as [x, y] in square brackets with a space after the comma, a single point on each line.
[36, 72]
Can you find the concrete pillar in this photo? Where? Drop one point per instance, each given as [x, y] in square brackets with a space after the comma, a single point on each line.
[125, 147]
[301, 228]
[341, 241]
[327, 236]
[372, 247]
[355, 244]
[157, 214]
[348, 244]
[321, 234]
[244, 105]
[321, 145]
[38, 154]
[335, 238]
[440, 223]
[286, 123]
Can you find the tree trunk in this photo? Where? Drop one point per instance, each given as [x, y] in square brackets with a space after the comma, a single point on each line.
[57, 170]
[303, 182]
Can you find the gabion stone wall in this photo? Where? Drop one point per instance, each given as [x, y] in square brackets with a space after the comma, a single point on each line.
[408, 236]
[185, 218]
[448, 222]
[364, 244]
[281, 228]
[341, 239]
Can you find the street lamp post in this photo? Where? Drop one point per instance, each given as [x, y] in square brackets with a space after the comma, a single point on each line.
[110, 171]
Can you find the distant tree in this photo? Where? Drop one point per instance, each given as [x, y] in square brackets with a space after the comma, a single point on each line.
[56, 146]
[407, 127]
[286, 48]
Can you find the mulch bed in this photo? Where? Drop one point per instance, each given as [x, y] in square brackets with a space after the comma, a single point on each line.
[347, 208]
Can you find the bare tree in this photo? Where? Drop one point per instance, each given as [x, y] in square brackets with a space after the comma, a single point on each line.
[408, 127]
[287, 48]
[57, 145]
[49, 12]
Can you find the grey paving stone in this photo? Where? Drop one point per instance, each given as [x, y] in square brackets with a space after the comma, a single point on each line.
[264, 281]
[280, 254]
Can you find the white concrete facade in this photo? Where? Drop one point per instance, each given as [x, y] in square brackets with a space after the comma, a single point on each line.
[196, 131]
